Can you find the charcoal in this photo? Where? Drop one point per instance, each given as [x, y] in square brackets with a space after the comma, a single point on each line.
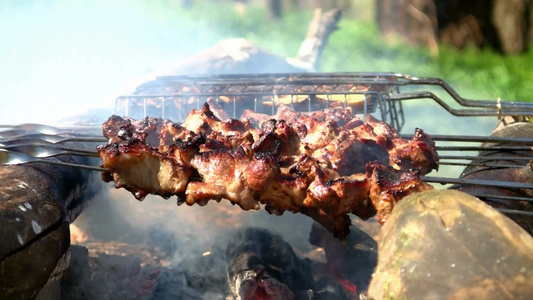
[351, 261]
[176, 283]
[98, 275]
[327, 288]
[74, 285]
[197, 276]
[78, 272]
[262, 262]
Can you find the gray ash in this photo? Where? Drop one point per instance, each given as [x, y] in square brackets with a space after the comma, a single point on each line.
[248, 263]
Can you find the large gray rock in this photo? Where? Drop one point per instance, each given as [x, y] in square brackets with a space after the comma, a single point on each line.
[37, 203]
[445, 244]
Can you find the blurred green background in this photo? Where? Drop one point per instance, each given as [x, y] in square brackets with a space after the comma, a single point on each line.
[358, 46]
[69, 56]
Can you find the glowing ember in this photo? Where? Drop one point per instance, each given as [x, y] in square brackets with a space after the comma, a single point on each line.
[350, 288]
[77, 236]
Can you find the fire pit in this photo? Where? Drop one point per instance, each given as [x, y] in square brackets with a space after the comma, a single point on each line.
[223, 253]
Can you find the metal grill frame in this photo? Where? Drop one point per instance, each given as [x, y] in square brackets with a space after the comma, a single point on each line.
[375, 90]
[383, 91]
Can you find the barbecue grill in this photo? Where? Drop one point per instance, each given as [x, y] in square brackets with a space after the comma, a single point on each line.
[380, 94]
[383, 95]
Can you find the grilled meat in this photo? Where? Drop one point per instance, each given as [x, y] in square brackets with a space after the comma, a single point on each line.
[388, 187]
[325, 164]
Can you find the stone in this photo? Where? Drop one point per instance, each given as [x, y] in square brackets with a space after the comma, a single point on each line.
[445, 244]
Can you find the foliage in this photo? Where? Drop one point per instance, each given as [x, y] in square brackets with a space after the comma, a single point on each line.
[356, 47]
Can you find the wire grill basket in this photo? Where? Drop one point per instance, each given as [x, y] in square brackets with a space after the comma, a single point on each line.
[380, 93]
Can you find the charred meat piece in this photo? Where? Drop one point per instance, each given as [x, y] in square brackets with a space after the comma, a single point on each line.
[317, 164]
[390, 186]
[417, 153]
[142, 169]
[119, 130]
[223, 176]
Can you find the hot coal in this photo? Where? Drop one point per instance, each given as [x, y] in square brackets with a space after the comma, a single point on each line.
[249, 263]
[263, 266]
[352, 262]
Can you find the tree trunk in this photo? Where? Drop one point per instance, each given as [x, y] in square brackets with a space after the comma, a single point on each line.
[530, 24]
[321, 27]
[413, 21]
[500, 24]
[275, 9]
[509, 18]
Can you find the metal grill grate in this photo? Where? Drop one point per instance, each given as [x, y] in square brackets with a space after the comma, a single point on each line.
[381, 94]
[173, 96]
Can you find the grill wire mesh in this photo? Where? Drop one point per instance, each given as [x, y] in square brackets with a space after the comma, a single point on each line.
[174, 96]
[380, 94]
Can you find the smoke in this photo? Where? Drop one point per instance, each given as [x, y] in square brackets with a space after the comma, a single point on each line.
[435, 120]
[61, 58]
[116, 214]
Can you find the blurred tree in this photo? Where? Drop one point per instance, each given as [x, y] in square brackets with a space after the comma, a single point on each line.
[186, 4]
[530, 29]
[463, 24]
[510, 18]
[413, 21]
[505, 25]
[275, 9]
[343, 5]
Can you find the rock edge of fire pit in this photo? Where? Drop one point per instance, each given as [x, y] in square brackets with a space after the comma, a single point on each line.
[450, 245]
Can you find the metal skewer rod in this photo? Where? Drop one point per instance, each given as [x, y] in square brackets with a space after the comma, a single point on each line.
[66, 164]
[445, 163]
[501, 197]
[492, 183]
[466, 157]
[10, 158]
[48, 150]
[514, 211]
[483, 148]
[476, 138]
[54, 139]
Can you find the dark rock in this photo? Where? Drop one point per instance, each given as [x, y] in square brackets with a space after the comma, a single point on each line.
[521, 174]
[36, 205]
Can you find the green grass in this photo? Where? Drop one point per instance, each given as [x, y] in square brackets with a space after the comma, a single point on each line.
[474, 73]
[357, 46]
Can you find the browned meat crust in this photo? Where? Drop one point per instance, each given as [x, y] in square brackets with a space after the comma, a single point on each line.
[325, 164]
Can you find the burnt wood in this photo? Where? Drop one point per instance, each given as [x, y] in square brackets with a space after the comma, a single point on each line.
[257, 257]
